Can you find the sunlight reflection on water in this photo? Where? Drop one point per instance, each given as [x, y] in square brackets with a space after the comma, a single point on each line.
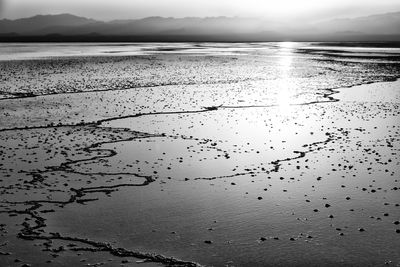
[285, 92]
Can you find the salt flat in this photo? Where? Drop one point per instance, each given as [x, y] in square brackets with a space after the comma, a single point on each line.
[201, 157]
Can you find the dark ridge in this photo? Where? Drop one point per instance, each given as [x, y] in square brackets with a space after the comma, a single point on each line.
[221, 38]
[387, 44]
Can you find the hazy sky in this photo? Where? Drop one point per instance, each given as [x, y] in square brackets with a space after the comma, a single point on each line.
[273, 9]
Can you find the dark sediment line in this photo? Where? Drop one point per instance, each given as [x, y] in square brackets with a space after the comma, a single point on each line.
[276, 163]
[17, 95]
[119, 252]
[205, 109]
[225, 176]
[31, 233]
[302, 154]
[328, 95]
[21, 95]
[99, 122]
[66, 166]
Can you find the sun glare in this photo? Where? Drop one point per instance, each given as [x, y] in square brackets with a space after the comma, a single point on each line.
[287, 44]
[284, 94]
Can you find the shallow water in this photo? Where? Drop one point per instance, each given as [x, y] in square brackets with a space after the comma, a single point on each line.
[214, 154]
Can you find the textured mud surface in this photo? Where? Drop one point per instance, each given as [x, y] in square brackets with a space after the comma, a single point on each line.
[192, 159]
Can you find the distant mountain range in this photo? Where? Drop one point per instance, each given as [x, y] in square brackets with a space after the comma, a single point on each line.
[67, 27]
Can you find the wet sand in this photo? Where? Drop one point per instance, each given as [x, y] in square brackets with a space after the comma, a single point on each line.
[173, 175]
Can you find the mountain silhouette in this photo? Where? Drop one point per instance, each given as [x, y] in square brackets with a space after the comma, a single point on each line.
[67, 27]
[31, 25]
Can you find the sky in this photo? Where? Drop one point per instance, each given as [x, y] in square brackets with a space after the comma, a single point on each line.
[306, 10]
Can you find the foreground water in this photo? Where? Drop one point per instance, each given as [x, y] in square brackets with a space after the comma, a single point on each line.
[212, 154]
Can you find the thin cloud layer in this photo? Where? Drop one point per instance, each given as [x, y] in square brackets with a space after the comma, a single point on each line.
[284, 10]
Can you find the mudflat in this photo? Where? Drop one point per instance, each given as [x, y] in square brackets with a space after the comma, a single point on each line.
[266, 154]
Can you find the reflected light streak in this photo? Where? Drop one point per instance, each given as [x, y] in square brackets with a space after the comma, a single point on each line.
[287, 44]
[284, 95]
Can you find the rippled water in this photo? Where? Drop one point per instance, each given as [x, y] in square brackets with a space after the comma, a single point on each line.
[19, 51]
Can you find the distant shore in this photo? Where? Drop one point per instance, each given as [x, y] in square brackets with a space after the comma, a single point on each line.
[385, 40]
